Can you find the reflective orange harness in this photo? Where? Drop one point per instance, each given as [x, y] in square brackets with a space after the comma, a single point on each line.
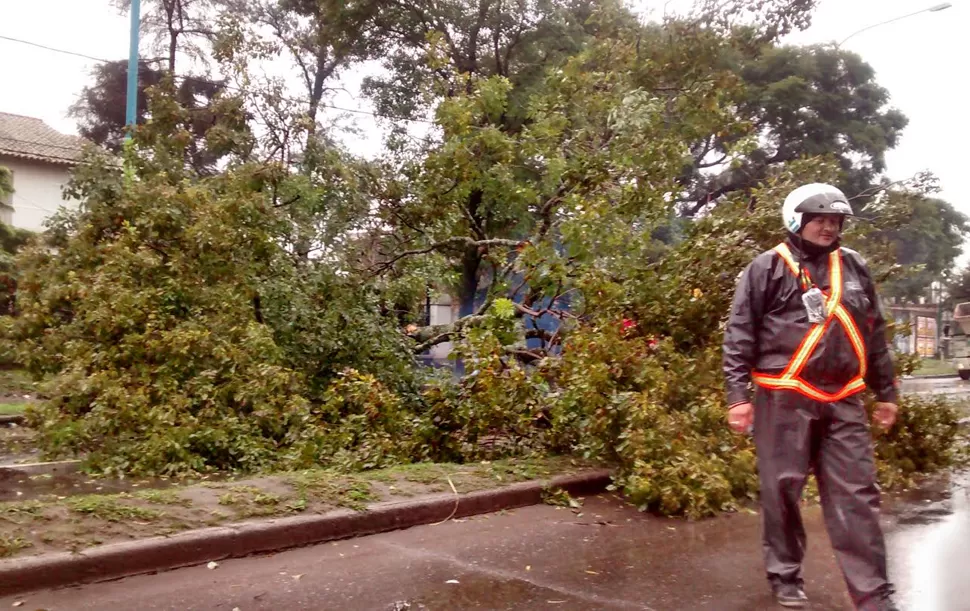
[790, 379]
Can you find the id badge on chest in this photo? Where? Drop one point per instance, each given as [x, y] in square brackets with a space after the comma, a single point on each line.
[814, 302]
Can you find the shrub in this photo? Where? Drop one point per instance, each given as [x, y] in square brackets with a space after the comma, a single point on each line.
[926, 438]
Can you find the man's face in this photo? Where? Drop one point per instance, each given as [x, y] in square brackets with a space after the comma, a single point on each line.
[823, 230]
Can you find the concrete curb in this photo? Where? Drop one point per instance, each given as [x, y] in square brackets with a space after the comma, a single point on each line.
[114, 561]
[37, 468]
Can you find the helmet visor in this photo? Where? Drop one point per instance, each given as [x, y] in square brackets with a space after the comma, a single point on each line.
[825, 203]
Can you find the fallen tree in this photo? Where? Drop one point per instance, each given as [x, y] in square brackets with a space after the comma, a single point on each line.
[266, 317]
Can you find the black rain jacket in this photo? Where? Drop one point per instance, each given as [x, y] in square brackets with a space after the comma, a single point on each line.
[768, 322]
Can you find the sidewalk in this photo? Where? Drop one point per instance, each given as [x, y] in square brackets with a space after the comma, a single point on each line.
[86, 538]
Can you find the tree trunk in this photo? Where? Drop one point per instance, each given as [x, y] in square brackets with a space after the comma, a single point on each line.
[173, 36]
[316, 92]
[472, 260]
[470, 264]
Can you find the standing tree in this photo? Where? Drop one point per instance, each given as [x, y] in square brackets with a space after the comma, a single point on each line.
[927, 246]
[799, 102]
[323, 196]
[529, 202]
[100, 109]
[176, 26]
[442, 49]
[320, 37]
[959, 287]
[177, 30]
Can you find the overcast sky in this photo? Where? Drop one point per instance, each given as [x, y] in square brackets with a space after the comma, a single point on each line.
[919, 60]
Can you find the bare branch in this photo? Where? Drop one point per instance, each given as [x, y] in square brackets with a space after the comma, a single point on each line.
[526, 310]
[472, 50]
[449, 243]
[880, 188]
[439, 334]
[545, 213]
[555, 339]
[475, 225]
[292, 200]
[496, 35]
[406, 223]
[712, 164]
[526, 356]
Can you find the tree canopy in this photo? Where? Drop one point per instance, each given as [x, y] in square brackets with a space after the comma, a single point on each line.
[100, 109]
[800, 102]
[927, 247]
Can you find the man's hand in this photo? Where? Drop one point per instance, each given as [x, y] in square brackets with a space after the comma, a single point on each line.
[741, 417]
[885, 415]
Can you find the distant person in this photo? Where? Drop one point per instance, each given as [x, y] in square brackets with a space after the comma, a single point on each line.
[807, 330]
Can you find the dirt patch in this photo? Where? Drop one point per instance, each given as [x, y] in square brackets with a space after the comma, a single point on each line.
[16, 387]
[17, 445]
[72, 523]
[16, 485]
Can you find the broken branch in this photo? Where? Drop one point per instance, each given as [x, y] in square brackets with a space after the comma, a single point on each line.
[450, 242]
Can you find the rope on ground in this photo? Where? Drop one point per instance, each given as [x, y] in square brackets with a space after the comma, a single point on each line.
[457, 500]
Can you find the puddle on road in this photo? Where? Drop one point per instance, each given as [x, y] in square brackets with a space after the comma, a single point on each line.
[927, 544]
[924, 516]
[935, 499]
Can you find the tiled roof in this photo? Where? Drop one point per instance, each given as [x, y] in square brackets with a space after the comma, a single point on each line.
[30, 138]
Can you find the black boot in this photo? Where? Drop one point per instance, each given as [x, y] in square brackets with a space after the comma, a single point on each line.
[790, 595]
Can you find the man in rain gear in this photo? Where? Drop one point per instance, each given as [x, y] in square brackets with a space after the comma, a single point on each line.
[807, 332]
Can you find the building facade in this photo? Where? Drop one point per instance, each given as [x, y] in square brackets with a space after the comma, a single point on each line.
[40, 160]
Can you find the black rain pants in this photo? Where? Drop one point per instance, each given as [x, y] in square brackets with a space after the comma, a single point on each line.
[794, 434]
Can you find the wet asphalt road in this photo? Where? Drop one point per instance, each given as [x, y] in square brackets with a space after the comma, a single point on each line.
[608, 556]
[928, 534]
[605, 555]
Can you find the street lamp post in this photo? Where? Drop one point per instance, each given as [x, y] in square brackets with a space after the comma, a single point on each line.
[933, 9]
[131, 91]
[131, 95]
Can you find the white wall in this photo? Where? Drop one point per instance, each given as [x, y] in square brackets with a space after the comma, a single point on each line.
[37, 191]
[442, 313]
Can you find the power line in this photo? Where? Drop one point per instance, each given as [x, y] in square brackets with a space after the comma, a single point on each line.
[228, 87]
[31, 204]
[40, 46]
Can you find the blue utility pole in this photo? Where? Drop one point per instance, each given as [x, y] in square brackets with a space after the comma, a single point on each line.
[131, 109]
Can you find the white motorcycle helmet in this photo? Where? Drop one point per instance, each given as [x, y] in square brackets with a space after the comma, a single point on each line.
[814, 198]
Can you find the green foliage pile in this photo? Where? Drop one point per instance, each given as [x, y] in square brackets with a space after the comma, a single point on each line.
[927, 438]
[11, 241]
[155, 311]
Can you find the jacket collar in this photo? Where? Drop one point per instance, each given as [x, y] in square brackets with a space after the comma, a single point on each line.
[808, 251]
